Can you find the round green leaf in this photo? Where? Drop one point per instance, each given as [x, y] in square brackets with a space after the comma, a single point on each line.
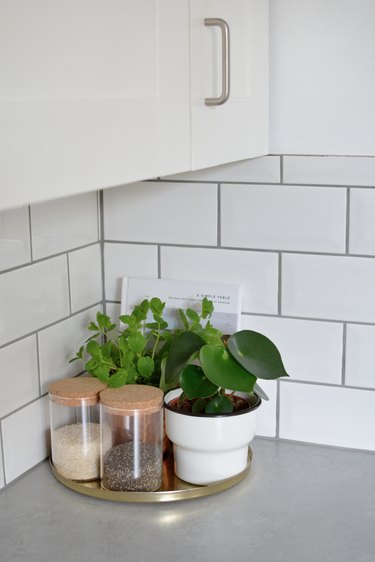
[181, 350]
[257, 354]
[219, 405]
[222, 370]
[195, 384]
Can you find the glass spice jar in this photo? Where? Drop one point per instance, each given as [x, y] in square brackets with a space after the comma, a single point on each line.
[75, 429]
[131, 438]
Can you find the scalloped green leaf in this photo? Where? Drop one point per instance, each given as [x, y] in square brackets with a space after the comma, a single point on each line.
[219, 405]
[181, 350]
[257, 354]
[222, 370]
[195, 384]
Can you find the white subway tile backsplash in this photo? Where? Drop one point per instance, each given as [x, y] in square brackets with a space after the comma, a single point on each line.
[266, 414]
[265, 170]
[14, 238]
[360, 365]
[165, 212]
[256, 271]
[33, 297]
[19, 380]
[362, 220]
[127, 260]
[328, 287]
[311, 350]
[342, 417]
[85, 272]
[284, 218]
[64, 224]
[25, 438]
[59, 343]
[330, 170]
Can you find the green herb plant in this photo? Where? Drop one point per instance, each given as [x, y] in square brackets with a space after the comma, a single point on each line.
[206, 364]
[131, 355]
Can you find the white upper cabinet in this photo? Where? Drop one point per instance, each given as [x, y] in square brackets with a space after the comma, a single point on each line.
[98, 93]
[238, 128]
[94, 93]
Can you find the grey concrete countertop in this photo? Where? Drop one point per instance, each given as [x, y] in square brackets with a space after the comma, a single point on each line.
[300, 503]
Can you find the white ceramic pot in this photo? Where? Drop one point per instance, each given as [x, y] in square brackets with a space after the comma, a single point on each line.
[208, 448]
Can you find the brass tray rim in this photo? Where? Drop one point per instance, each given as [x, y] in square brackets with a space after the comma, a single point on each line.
[185, 492]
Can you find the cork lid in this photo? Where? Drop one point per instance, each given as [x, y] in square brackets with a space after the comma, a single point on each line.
[132, 397]
[71, 392]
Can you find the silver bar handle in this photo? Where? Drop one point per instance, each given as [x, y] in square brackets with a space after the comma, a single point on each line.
[225, 61]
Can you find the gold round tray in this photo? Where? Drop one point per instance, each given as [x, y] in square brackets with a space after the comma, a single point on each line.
[173, 489]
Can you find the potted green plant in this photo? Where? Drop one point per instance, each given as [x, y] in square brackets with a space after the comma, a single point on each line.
[210, 417]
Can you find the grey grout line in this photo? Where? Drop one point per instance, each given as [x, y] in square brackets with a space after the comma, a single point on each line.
[273, 183]
[159, 261]
[241, 249]
[281, 169]
[24, 406]
[52, 256]
[101, 241]
[291, 380]
[219, 215]
[347, 230]
[69, 285]
[279, 285]
[31, 235]
[344, 338]
[24, 336]
[38, 363]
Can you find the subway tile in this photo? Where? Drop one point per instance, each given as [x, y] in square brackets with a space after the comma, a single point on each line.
[14, 238]
[328, 287]
[25, 438]
[265, 169]
[59, 343]
[19, 381]
[63, 224]
[178, 213]
[342, 417]
[33, 297]
[360, 366]
[2, 481]
[330, 170]
[362, 221]
[266, 414]
[284, 218]
[256, 271]
[113, 310]
[127, 260]
[311, 350]
[85, 271]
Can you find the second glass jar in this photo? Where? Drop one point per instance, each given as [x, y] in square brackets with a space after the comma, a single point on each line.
[131, 420]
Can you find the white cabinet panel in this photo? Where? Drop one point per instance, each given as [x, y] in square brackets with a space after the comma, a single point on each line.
[237, 129]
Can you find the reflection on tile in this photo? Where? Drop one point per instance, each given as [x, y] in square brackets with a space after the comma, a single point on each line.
[59, 343]
[283, 218]
[127, 260]
[33, 297]
[360, 367]
[25, 438]
[85, 268]
[256, 271]
[362, 220]
[14, 238]
[64, 224]
[328, 415]
[19, 381]
[176, 213]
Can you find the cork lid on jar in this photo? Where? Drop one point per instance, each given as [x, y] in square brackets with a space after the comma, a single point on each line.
[132, 397]
[77, 391]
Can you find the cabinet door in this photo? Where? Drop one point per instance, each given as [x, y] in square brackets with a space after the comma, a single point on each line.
[237, 129]
[82, 104]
